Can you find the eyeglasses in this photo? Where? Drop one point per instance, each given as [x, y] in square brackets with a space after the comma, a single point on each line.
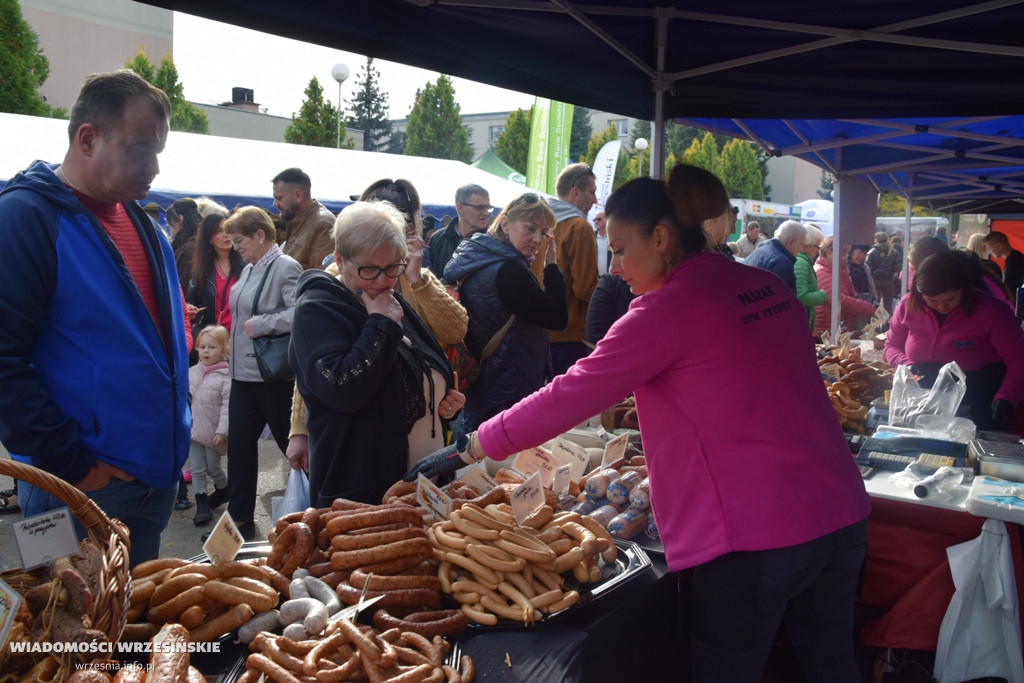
[373, 272]
[527, 198]
[238, 240]
[480, 207]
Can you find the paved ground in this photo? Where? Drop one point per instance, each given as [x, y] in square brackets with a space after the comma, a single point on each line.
[181, 537]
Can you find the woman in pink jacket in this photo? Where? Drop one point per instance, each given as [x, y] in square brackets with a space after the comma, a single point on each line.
[771, 517]
[947, 317]
[850, 305]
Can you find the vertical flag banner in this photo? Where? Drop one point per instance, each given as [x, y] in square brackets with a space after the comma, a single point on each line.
[537, 159]
[550, 129]
[604, 169]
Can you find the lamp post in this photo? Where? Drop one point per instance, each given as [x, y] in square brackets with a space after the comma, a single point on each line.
[640, 144]
[340, 73]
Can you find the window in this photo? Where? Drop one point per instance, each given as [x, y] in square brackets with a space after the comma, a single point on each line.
[493, 132]
[621, 127]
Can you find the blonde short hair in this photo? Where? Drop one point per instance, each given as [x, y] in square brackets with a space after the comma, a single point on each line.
[814, 235]
[368, 226]
[527, 206]
[219, 333]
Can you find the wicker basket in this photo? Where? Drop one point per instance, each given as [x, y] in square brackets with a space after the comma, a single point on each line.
[109, 535]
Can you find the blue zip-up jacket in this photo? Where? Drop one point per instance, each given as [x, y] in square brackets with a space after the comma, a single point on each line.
[85, 374]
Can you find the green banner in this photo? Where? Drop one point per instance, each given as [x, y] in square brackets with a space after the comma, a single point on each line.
[550, 128]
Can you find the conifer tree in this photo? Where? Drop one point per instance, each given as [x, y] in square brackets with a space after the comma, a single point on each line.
[435, 126]
[370, 110]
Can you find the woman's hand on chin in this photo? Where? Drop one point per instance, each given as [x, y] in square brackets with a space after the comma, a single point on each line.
[384, 303]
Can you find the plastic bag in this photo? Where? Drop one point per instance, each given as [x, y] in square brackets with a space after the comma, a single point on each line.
[908, 399]
[295, 498]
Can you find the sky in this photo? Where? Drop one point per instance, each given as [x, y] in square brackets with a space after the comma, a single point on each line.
[279, 69]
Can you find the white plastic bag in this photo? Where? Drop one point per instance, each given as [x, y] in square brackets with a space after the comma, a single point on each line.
[295, 498]
[908, 399]
[980, 634]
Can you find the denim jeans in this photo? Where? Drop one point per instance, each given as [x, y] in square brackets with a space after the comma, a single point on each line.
[739, 600]
[145, 510]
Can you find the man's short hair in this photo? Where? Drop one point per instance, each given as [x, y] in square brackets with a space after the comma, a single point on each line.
[294, 176]
[104, 97]
[463, 194]
[570, 177]
[996, 237]
[790, 229]
[753, 224]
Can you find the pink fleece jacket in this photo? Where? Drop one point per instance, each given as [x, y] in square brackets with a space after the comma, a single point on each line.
[990, 334]
[726, 474]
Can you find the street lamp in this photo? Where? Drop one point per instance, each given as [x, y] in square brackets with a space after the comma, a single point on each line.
[640, 144]
[340, 73]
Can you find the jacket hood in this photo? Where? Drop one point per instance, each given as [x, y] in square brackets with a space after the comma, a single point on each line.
[565, 210]
[316, 280]
[40, 178]
[479, 251]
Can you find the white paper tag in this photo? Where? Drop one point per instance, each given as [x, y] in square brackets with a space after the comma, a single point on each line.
[9, 602]
[224, 540]
[615, 450]
[476, 476]
[527, 497]
[537, 460]
[430, 496]
[568, 453]
[45, 537]
[563, 475]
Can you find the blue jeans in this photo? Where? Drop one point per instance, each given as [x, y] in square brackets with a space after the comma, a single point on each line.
[145, 510]
[739, 600]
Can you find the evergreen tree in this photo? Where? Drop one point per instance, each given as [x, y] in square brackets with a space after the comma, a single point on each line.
[762, 165]
[579, 136]
[513, 145]
[896, 206]
[396, 143]
[370, 109]
[640, 162]
[827, 185]
[739, 172]
[703, 153]
[23, 66]
[185, 116]
[594, 145]
[435, 126]
[317, 121]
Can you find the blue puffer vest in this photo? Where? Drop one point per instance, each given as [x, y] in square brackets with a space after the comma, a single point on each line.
[516, 369]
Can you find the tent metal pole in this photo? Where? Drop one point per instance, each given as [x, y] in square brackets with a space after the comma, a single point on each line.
[837, 250]
[660, 86]
[906, 236]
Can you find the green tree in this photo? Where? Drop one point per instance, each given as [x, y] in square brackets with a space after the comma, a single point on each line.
[396, 143]
[762, 165]
[582, 130]
[513, 145]
[185, 116]
[739, 172]
[316, 124]
[23, 66]
[435, 126]
[640, 162]
[828, 183]
[894, 205]
[703, 153]
[370, 109]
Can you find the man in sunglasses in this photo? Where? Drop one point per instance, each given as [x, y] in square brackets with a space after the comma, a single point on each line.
[473, 206]
[576, 246]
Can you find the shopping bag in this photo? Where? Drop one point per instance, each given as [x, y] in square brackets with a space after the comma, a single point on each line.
[908, 399]
[295, 498]
[980, 634]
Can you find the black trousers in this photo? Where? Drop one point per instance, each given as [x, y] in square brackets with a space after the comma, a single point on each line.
[253, 405]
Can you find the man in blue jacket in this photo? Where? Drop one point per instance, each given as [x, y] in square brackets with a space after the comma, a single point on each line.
[779, 253]
[93, 347]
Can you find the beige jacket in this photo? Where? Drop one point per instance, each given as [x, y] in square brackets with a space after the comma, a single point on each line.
[309, 236]
[444, 316]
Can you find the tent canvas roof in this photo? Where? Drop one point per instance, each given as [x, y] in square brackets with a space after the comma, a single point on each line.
[236, 171]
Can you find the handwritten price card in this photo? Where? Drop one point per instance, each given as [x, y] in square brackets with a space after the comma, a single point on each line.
[44, 538]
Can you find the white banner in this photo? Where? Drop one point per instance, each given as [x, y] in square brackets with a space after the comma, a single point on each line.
[604, 168]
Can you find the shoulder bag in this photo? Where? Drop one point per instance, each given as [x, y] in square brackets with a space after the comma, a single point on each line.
[271, 350]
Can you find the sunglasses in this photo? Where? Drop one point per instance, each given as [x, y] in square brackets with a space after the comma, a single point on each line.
[527, 198]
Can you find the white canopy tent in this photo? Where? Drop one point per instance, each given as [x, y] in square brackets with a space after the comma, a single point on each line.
[238, 171]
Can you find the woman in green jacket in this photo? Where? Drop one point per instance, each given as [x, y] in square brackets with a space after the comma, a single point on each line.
[806, 281]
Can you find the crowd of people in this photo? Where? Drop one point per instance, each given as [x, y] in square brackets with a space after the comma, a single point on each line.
[177, 369]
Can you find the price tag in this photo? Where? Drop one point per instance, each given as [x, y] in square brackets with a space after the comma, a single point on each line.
[615, 450]
[43, 538]
[537, 460]
[429, 495]
[527, 497]
[831, 370]
[563, 475]
[568, 453]
[603, 434]
[224, 540]
[9, 602]
[476, 476]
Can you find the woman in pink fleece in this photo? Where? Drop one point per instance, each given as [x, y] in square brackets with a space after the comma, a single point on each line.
[948, 317]
[770, 516]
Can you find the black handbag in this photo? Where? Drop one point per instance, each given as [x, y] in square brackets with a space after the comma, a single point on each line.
[271, 350]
